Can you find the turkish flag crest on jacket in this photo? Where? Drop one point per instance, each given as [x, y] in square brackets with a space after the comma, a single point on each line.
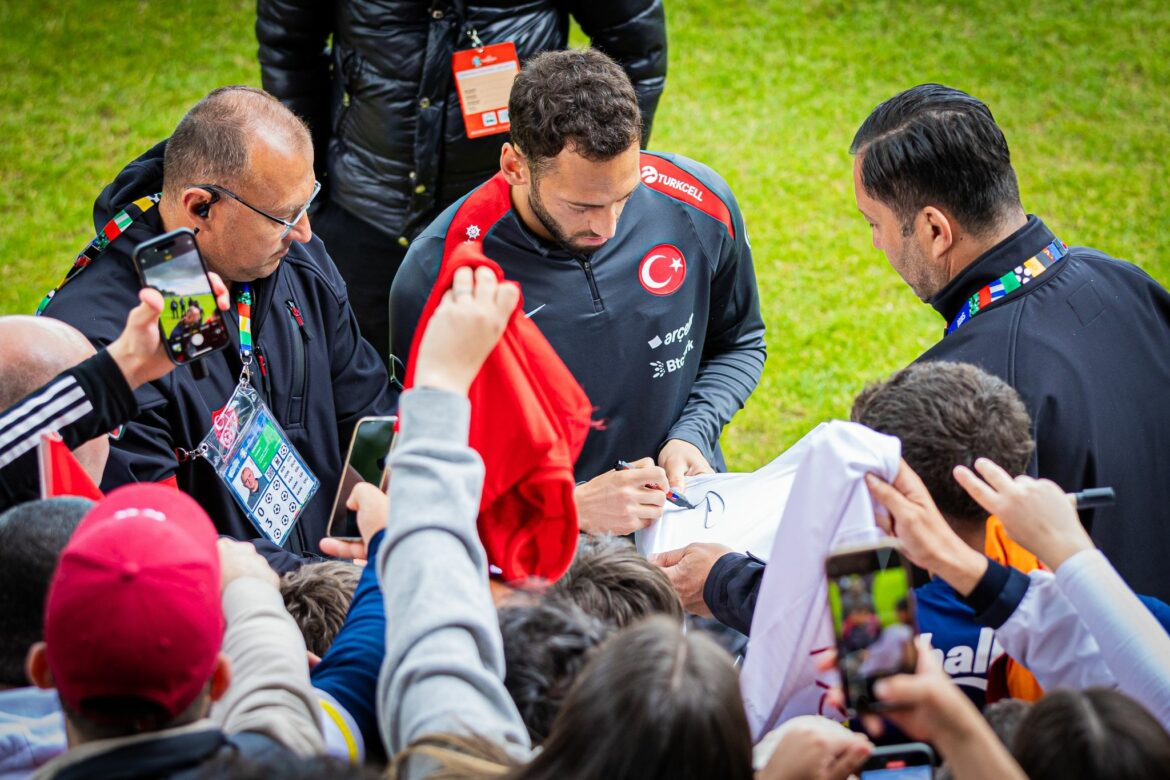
[529, 420]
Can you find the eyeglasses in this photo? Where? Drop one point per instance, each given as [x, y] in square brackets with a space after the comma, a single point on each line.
[288, 225]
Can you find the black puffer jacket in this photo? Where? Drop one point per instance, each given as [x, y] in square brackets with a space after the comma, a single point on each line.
[388, 131]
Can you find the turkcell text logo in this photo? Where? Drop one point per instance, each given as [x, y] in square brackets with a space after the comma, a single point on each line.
[652, 175]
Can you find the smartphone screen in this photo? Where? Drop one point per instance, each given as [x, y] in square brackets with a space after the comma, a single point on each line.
[365, 462]
[910, 761]
[899, 773]
[873, 618]
[191, 324]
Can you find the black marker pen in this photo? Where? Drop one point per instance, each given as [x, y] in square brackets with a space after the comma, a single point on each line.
[673, 496]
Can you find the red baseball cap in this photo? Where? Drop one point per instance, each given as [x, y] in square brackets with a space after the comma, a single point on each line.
[134, 607]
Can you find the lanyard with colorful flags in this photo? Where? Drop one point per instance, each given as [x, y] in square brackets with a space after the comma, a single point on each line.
[244, 309]
[1022, 274]
[114, 228]
[253, 456]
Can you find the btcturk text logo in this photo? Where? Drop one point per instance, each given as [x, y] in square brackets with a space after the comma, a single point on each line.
[662, 270]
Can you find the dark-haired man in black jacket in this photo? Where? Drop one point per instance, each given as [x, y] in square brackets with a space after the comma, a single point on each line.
[392, 150]
[1084, 338]
[239, 171]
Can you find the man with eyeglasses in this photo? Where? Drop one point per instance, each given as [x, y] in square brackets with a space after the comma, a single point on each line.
[238, 171]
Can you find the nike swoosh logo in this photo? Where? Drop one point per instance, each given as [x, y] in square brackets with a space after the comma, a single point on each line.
[528, 316]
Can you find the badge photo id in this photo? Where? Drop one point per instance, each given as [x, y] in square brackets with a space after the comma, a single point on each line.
[263, 471]
[269, 479]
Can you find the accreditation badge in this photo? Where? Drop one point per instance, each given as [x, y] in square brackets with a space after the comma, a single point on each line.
[264, 473]
[483, 79]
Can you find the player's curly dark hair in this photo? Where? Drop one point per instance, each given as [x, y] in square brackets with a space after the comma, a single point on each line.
[578, 98]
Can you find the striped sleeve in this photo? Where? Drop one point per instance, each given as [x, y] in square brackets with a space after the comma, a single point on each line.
[60, 403]
[80, 403]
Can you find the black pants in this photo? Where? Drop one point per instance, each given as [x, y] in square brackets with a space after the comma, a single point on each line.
[368, 260]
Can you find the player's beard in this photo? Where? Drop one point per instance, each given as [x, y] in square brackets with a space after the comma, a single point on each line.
[550, 224]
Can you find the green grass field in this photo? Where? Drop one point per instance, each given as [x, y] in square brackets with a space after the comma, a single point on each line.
[768, 93]
[206, 307]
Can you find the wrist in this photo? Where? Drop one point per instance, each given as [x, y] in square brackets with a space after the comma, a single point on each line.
[247, 585]
[437, 379]
[581, 495]
[1064, 548]
[131, 366]
[961, 567]
[677, 440]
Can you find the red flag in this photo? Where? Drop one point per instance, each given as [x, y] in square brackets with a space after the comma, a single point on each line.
[61, 474]
[529, 420]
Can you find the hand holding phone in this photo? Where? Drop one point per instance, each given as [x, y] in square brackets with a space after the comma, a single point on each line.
[371, 509]
[365, 461]
[872, 606]
[190, 324]
[928, 706]
[139, 350]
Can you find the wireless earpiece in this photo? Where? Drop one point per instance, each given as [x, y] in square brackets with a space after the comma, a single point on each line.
[203, 209]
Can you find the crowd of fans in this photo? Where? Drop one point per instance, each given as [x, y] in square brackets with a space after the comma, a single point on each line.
[138, 638]
[182, 655]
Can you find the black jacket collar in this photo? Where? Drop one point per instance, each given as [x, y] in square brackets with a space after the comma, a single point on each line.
[1026, 242]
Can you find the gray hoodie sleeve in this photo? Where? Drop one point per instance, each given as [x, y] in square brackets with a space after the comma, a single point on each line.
[270, 692]
[444, 665]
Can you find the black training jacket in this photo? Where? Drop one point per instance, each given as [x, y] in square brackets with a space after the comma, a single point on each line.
[660, 326]
[386, 122]
[82, 402]
[1087, 345]
[321, 376]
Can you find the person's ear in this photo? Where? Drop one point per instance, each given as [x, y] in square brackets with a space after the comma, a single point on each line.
[36, 666]
[221, 677]
[197, 203]
[514, 166]
[935, 232]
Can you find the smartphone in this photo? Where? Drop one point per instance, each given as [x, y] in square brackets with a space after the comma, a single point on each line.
[911, 761]
[190, 323]
[872, 605]
[365, 462]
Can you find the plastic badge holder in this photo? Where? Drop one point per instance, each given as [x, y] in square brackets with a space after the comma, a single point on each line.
[263, 471]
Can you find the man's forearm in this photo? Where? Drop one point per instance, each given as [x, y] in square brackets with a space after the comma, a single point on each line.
[444, 666]
[723, 385]
[270, 692]
[81, 403]
[732, 588]
[959, 566]
[973, 752]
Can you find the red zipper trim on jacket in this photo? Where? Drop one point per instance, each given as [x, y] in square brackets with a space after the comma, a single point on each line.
[296, 314]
